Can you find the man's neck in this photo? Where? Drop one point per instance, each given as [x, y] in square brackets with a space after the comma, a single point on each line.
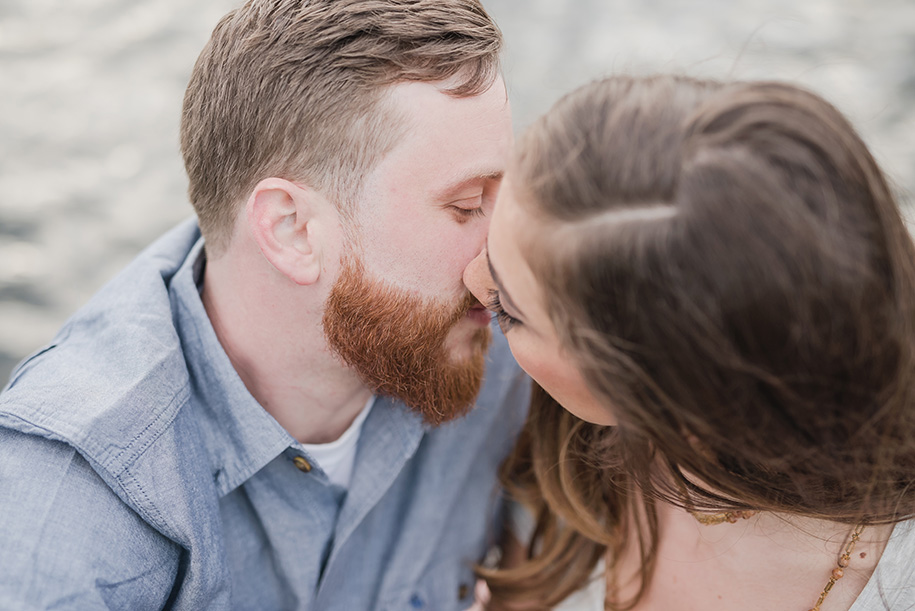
[278, 349]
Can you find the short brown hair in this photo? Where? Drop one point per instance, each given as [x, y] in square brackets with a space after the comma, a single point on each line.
[294, 88]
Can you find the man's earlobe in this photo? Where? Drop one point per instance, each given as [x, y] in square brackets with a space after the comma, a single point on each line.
[282, 218]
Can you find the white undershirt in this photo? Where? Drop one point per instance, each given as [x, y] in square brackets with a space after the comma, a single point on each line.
[338, 457]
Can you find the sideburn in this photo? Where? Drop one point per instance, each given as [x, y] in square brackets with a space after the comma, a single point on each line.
[395, 341]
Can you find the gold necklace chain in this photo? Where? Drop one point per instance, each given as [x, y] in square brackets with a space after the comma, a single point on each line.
[841, 565]
[711, 519]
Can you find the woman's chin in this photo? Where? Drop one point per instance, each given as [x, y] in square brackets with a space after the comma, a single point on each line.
[586, 408]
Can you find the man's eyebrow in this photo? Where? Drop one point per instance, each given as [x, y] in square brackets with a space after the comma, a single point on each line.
[503, 294]
[464, 182]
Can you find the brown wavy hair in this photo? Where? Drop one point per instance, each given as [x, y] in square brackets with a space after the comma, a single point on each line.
[295, 89]
[728, 267]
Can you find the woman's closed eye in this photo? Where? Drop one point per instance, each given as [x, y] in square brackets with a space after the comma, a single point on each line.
[506, 320]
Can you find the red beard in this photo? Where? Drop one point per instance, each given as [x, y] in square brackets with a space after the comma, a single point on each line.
[395, 342]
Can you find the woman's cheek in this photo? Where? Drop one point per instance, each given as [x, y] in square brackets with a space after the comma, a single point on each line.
[556, 374]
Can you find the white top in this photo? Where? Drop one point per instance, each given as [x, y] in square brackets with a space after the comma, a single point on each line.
[890, 588]
[337, 458]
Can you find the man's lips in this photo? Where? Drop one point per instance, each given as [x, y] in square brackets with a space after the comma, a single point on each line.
[479, 315]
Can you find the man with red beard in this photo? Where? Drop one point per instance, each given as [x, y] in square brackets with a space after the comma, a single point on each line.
[292, 401]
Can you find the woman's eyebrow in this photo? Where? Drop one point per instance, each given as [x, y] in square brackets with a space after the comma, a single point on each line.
[504, 297]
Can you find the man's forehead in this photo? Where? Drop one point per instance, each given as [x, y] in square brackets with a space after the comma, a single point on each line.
[445, 142]
[422, 106]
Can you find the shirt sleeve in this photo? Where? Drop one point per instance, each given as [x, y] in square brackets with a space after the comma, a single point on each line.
[67, 541]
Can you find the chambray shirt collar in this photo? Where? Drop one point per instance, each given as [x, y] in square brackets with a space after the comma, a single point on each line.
[239, 435]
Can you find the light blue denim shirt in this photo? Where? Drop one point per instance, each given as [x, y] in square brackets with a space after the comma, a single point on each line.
[137, 472]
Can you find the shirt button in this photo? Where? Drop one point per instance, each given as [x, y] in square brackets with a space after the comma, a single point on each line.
[301, 464]
[463, 590]
[416, 602]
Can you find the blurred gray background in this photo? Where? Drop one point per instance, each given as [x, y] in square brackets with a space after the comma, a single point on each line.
[90, 95]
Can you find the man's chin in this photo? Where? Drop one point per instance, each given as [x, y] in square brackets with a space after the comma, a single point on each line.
[466, 343]
[470, 360]
[457, 385]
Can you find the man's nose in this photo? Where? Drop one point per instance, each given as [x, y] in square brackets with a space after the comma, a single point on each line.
[482, 232]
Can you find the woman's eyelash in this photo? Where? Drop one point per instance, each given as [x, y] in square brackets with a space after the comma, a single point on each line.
[506, 320]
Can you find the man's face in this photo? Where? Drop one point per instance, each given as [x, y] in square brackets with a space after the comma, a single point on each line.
[399, 313]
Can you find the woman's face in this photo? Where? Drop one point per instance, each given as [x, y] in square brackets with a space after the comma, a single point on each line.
[501, 279]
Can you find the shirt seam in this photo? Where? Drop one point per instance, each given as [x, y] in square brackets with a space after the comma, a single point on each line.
[168, 414]
[147, 510]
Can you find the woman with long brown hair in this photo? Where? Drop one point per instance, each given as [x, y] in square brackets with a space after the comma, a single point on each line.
[715, 282]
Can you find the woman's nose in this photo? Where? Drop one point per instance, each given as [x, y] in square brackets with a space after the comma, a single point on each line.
[476, 277]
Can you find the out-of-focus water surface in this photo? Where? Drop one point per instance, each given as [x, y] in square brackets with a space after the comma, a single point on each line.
[90, 95]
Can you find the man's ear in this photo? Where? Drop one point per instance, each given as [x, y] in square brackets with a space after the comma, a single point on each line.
[285, 219]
